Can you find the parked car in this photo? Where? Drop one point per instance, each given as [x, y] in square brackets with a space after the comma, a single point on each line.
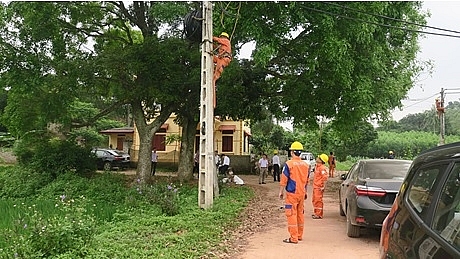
[368, 191]
[309, 158]
[424, 221]
[109, 158]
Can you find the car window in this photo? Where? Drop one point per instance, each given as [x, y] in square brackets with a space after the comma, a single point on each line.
[420, 191]
[353, 173]
[397, 170]
[447, 216]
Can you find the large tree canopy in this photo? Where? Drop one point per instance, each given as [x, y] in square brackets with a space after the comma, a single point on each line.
[344, 62]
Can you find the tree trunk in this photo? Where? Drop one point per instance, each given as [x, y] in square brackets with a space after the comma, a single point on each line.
[146, 134]
[186, 159]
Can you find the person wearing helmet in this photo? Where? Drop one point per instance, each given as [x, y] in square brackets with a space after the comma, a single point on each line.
[221, 58]
[391, 155]
[293, 182]
[319, 184]
[276, 166]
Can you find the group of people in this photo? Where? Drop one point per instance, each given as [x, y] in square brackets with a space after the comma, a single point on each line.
[293, 188]
[265, 167]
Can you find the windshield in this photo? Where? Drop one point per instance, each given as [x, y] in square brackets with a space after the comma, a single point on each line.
[385, 169]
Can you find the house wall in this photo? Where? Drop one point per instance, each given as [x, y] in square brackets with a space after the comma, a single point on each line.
[171, 153]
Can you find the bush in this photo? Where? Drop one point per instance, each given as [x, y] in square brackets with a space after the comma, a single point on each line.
[55, 157]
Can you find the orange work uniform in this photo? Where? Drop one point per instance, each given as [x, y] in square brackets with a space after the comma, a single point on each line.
[331, 165]
[223, 56]
[319, 181]
[294, 179]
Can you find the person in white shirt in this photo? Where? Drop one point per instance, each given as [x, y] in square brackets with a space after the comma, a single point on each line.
[225, 164]
[263, 168]
[154, 161]
[276, 166]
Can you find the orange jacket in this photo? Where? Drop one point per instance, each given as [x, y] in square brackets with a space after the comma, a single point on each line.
[320, 176]
[295, 176]
[224, 48]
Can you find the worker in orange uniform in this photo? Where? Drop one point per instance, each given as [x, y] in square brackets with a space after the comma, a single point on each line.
[439, 107]
[319, 184]
[331, 164]
[222, 57]
[294, 181]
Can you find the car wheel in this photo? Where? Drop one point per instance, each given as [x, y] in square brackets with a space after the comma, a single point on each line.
[107, 166]
[352, 230]
[342, 213]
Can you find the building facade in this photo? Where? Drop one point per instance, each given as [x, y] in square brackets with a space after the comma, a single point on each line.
[230, 137]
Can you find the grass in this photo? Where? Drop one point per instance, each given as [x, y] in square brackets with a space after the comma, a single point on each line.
[107, 217]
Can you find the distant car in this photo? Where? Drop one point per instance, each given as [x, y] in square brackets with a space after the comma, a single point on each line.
[368, 191]
[309, 158]
[424, 221]
[107, 159]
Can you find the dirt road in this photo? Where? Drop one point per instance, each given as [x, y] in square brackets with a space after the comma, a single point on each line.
[325, 238]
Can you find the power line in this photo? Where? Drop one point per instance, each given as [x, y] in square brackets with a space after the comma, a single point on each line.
[391, 18]
[405, 107]
[380, 24]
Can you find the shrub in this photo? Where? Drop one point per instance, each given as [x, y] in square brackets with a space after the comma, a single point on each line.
[164, 195]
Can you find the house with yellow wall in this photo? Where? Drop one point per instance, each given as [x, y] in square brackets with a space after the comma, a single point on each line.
[230, 137]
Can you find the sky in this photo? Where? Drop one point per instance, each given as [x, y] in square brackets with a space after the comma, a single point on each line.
[444, 53]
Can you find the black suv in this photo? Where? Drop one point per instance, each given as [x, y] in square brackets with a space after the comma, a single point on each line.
[424, 221]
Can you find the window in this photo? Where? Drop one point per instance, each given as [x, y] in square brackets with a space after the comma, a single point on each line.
[227, 143]
[159, 142]
[447, 216]
[421, 190]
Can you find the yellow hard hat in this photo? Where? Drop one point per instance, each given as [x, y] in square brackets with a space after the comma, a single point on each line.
[324, 158]
[275, 151]
[391, 152]
[224, 34]
[296, 145]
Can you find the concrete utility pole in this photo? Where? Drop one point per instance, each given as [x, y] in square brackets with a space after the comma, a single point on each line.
[442, 121]
[207, 165]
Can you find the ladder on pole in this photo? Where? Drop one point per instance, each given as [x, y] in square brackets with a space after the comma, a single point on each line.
[206, 162]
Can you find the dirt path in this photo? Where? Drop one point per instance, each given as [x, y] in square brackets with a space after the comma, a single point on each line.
[265, 226]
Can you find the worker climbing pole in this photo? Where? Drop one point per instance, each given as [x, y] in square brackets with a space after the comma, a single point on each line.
[440, 111]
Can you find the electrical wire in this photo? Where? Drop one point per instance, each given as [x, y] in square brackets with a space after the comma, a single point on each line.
[192, 26]
[379, 24]
[405, 107]
[390, 18]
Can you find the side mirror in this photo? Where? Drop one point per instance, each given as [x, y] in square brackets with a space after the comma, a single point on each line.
[343, 176]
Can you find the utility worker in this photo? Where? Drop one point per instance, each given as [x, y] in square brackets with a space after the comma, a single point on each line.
[331, 164]
[294, 180]
[439, 107]
[319, 184]
[391, 155]
[221, 58]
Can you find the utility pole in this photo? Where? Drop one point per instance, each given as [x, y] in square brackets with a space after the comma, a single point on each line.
[206, 162]
[442, 121]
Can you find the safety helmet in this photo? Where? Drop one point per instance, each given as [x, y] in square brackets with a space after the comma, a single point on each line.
[296, 145]
[275, 152]
[324, 158]
[224, 34]
[390, 152]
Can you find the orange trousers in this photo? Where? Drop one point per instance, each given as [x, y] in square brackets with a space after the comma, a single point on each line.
[317, 201]
[294, 209]
[331, 170]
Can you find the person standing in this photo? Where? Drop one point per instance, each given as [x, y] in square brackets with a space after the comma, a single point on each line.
[263, 167]
[294, 181]
[331, 164]
[196, 163]
[225, 164]
[319, 184]
[276, 166]
[154, 161]
[217, 160]
[391, 155]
